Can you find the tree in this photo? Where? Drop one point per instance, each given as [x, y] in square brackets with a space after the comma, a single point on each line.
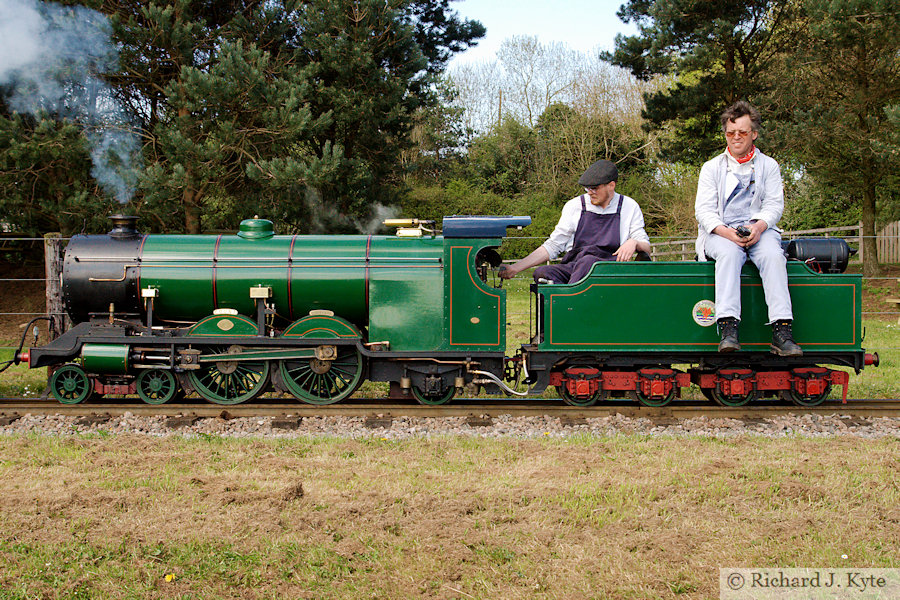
[526, 78]
[568, 141]
[224, 108]
[716, 50]
[439, 137]
[298, 105]
[537, 75]
[45, 171]
[502, 161]
[65, 145]
[839, 88]
[281, 107]
[480, 94]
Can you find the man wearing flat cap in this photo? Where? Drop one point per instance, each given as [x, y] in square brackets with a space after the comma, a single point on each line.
[598, 225]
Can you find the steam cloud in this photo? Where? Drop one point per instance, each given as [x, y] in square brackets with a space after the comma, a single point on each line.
[323, 217]
[50, 58]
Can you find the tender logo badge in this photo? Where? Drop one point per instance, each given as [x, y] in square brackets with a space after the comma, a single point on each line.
[704, 313]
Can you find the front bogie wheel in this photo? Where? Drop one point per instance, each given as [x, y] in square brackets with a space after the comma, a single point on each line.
[71, 385]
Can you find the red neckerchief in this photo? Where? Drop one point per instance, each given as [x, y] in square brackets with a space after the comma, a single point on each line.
[747, 158]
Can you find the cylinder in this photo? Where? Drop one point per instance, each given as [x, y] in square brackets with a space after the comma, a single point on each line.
[109, 359]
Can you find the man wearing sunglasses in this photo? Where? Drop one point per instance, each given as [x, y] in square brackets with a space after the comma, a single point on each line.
[597, 225]
[740, 198]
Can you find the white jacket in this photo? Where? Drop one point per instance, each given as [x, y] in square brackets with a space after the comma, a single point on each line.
[717, 181]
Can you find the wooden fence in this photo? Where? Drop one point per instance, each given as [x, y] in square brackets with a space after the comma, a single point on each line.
[683, 248]
[888, 241]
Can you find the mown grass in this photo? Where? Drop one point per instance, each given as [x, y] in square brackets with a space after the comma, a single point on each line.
[599, 517]
[18, 381]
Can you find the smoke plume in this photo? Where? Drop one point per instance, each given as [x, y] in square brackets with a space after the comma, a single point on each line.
[51, 57]
[325, 219]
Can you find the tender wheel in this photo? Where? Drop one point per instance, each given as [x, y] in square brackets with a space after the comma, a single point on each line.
[727, 400]
[70, 384]
[156, 386]
[433, 400]
[652, 402]
[803, 400]
[229, 381]
[572, 400]
[322, 381]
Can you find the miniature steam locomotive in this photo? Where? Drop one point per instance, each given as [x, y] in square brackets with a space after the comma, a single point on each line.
[229, 317]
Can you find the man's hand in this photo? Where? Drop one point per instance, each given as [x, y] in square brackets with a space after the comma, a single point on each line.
[508, 273]
[756, 230]
[730, 233]
[626, 250]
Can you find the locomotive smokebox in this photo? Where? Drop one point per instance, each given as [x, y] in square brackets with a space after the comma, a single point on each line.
[100, 270]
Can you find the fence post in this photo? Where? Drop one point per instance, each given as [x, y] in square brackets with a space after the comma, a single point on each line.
[52, 268]
[861, 244]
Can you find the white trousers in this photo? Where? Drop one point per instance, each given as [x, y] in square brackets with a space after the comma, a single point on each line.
[768, 257]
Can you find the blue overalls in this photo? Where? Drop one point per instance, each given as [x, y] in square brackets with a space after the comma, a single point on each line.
[596, 238]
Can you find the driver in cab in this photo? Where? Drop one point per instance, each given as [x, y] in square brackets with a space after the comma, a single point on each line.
[595, 226]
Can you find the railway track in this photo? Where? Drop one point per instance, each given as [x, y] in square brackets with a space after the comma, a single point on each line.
[11, 408]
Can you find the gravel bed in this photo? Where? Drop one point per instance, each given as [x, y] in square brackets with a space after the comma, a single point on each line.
[809, 425]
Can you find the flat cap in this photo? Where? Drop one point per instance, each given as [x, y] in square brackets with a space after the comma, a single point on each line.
[599, 173]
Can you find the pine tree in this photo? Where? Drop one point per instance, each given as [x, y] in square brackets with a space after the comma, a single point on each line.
[717, 52]
[298, 110]
[45, 177]
[836, 89]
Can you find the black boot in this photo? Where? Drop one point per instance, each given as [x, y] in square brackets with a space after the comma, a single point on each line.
[728, 326]
[783, 343]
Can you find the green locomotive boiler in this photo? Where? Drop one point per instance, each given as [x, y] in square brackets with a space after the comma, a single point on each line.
[229, 317]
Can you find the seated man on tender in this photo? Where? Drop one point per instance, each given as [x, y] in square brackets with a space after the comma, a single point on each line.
[740, 198]
[598, 225]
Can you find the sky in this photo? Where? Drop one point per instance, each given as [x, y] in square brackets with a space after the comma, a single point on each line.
[583, 25]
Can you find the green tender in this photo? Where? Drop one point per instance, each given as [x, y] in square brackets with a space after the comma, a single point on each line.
[664, 306]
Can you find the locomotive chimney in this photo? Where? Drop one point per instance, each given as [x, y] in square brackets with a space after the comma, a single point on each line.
[124, 227]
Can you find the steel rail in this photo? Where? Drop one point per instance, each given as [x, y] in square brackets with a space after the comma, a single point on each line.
[360, 407]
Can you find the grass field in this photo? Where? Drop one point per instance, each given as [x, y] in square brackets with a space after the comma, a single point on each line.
[620, 517]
